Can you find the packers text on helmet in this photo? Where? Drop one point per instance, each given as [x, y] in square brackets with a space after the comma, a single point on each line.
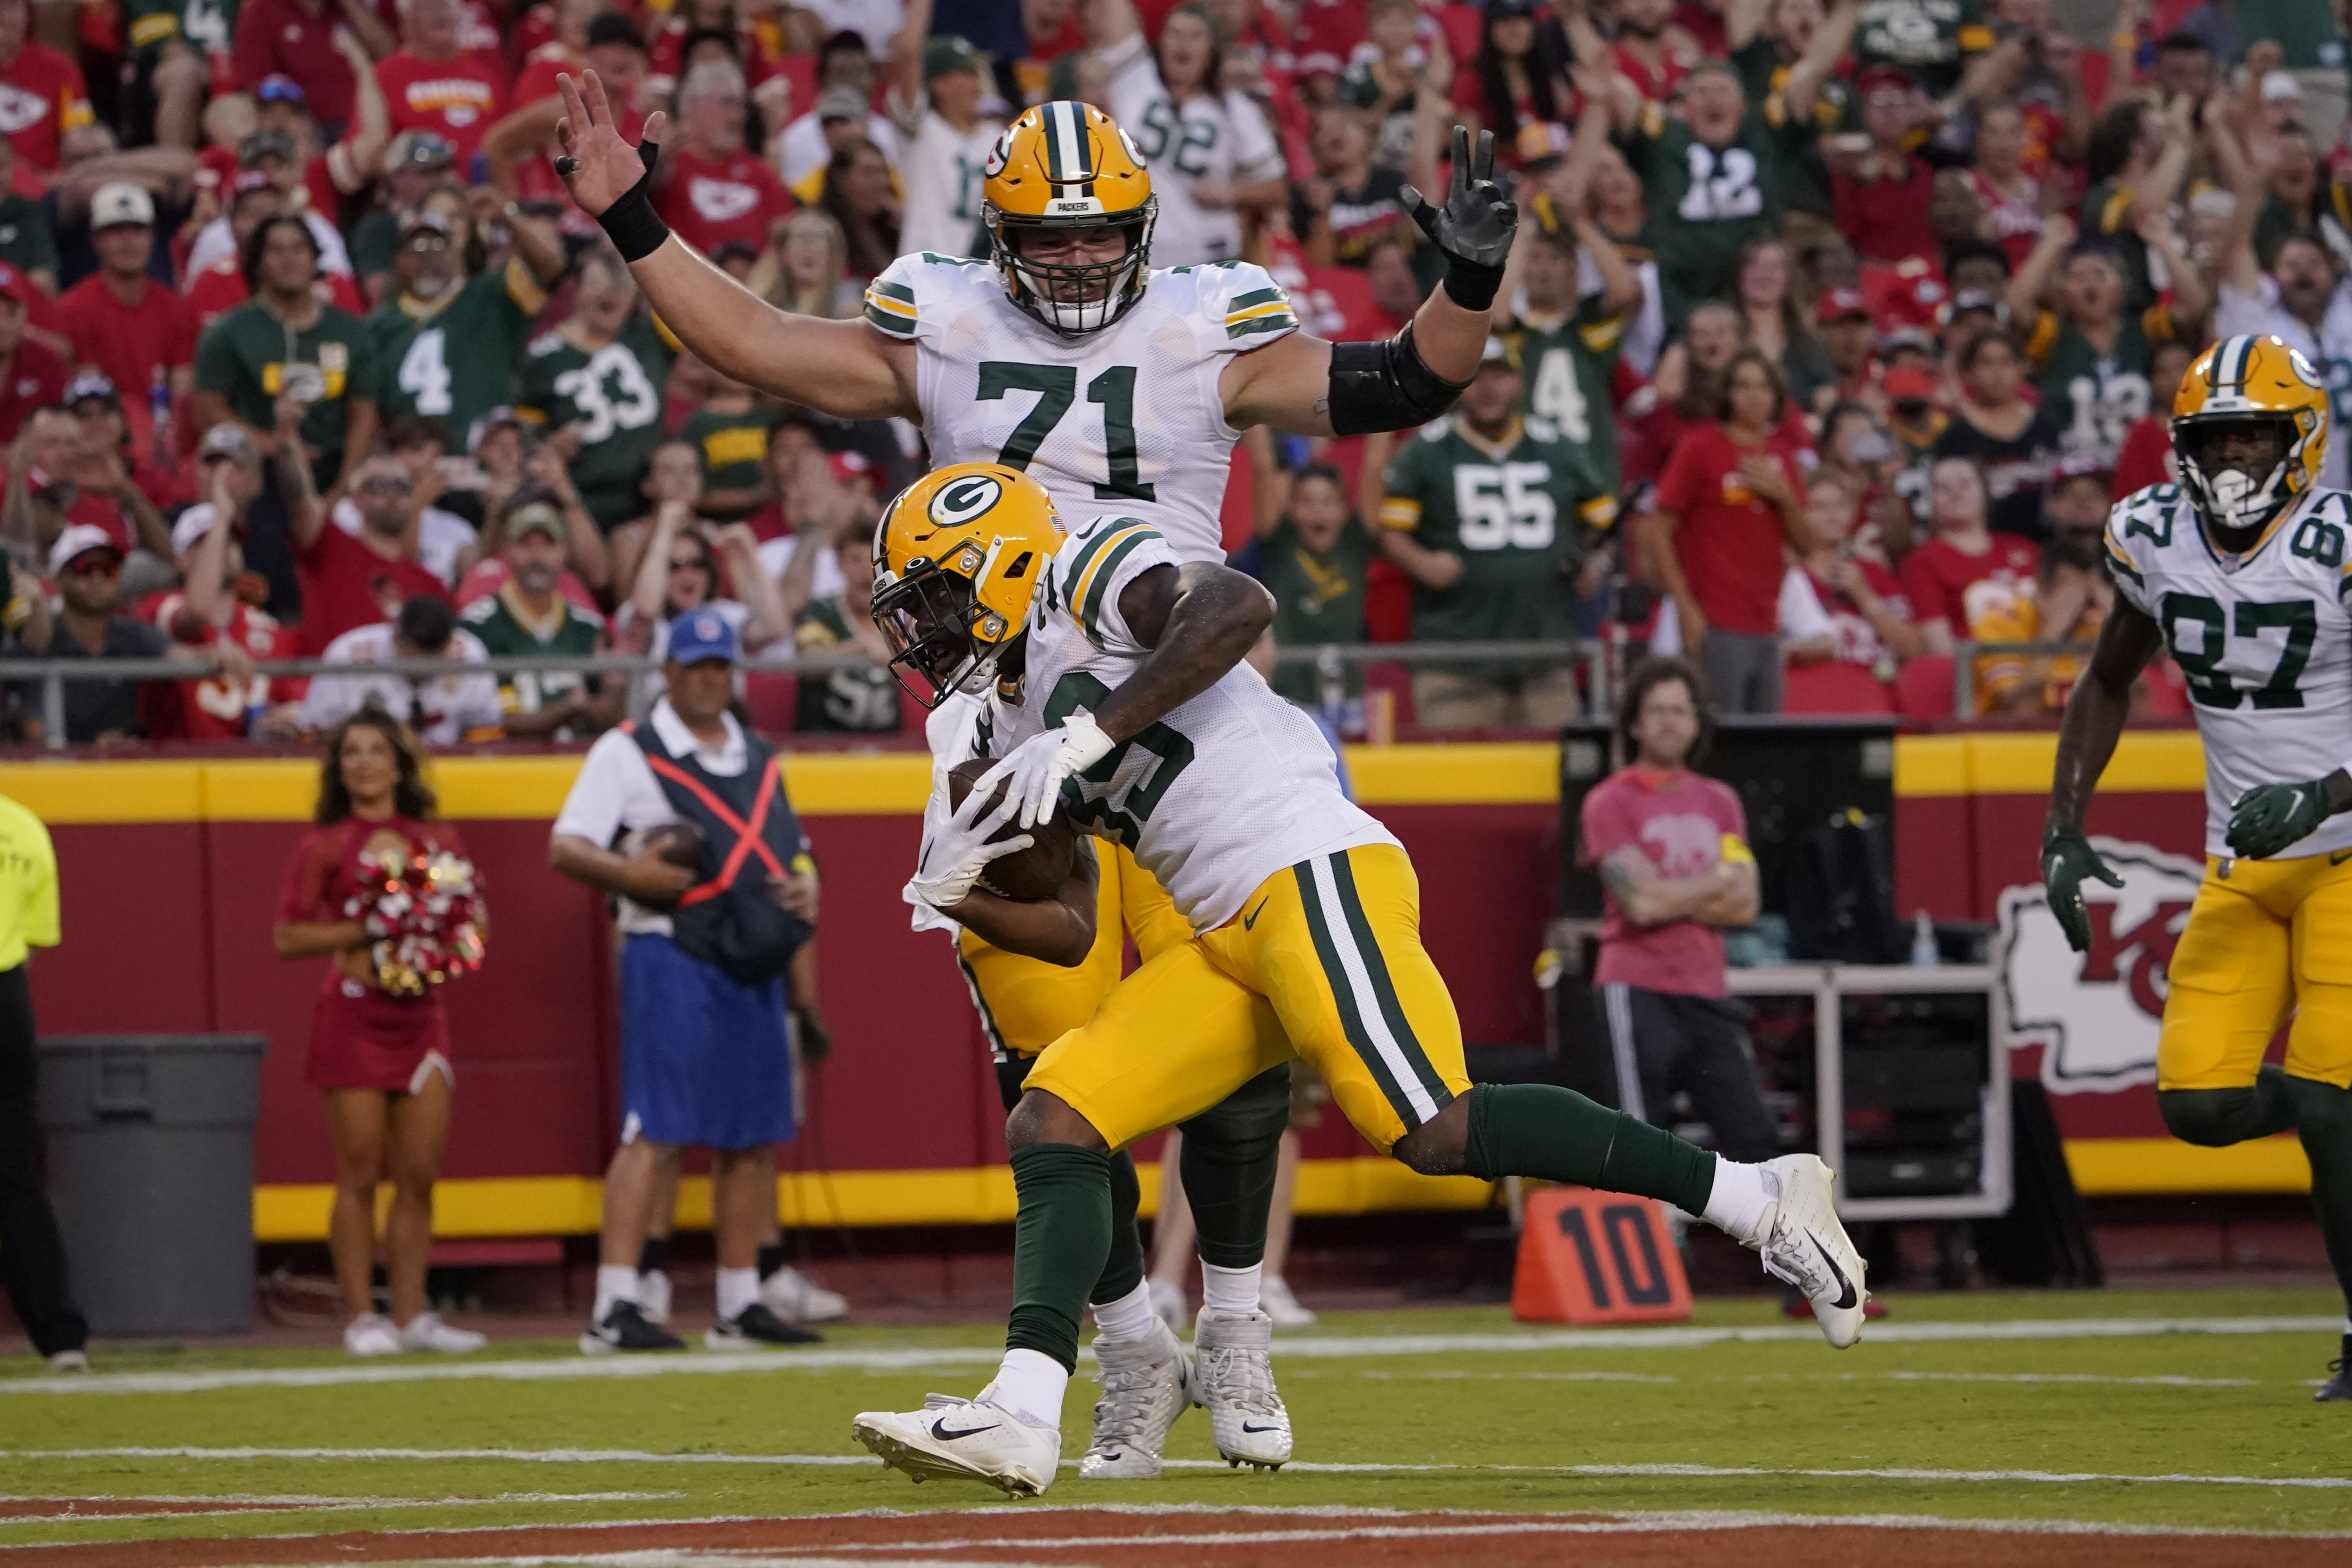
[1065, 167]
[2250, 428]
[956, 558]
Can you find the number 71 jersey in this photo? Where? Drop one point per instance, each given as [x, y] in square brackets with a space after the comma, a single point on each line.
[1231, 787]
[1127, 417]
[2264, 641]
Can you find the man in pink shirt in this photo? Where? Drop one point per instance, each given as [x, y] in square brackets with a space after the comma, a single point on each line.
[1673, 860]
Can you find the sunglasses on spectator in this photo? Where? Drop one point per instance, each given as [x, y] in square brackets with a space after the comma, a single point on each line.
[94, 565]
[386, 485]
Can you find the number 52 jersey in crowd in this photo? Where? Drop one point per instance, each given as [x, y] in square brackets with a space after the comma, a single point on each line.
[1128, 416]
[1231, 787]
[2264, 640]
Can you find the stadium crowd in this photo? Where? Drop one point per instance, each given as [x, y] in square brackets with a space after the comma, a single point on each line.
[1830, 335]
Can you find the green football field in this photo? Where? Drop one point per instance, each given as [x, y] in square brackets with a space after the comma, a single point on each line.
[2060, 1414]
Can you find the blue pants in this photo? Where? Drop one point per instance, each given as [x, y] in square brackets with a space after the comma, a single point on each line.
[703, 1059]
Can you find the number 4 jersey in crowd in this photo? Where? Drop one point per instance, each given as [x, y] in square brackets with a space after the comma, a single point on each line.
[1231, 787]
[454, 357]
[2263, 638]
[1128, 416]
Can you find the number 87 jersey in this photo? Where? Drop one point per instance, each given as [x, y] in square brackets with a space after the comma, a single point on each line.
[1127, 416]
[2264, 641]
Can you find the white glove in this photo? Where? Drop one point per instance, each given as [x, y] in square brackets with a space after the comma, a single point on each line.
[957, 851]
[1038, 765]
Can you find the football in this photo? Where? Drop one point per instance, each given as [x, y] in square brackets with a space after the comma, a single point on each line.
[1027, 875]
[680, 843]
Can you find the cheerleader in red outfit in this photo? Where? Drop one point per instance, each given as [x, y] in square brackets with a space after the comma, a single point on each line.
[381, 1059]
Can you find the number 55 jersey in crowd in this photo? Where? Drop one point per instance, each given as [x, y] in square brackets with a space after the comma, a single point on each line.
[2263, 639]
[1228, 789]
[1128, 416]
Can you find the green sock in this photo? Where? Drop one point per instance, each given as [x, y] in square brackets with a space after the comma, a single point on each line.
[2323, 1120]
[2215, 1117]
[1229, 1155]
[1124, 1271]
[1060, 1240]
[1541, 1130]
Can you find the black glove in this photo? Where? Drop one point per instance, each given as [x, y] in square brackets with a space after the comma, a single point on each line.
[2066, 859]
[1474, 228]
[2269, 817]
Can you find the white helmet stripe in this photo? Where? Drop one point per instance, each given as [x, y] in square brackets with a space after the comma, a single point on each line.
[1064, 122]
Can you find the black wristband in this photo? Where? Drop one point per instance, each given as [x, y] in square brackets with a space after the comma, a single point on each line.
[637, 230]
[1471, 286]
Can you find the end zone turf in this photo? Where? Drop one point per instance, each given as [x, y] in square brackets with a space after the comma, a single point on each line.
[2120, 1424]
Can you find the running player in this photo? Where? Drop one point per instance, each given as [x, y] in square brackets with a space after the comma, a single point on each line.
[2239, 570]
[1119, 695]
[992, 357]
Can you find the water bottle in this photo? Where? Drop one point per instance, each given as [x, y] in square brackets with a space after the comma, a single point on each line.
[1923, 941]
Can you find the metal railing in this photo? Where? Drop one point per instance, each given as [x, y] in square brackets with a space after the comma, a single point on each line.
[1329, 660]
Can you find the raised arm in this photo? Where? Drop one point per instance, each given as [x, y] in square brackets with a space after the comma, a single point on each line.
[1820, 58]
[843, 368]
[305, 513]
[2024, 295]
[907, 95]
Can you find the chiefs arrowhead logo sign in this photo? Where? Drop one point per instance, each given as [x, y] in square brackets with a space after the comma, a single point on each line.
[20, 110]
[720, 201]
[2096, 1014]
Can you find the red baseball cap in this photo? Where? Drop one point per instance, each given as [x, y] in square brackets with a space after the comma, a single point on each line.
[13, 284]
[1837, 304]
[849, 466]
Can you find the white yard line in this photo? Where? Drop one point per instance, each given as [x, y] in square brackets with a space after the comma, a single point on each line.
[1328, 1347]
[275, 1505]
[623, 1455]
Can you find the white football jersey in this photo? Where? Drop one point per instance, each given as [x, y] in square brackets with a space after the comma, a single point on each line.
[1223, 139]
[941, 169]
[1231, 787]
[2263, 638]
[1128, 416]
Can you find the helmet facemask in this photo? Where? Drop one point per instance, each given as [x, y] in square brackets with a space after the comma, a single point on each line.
[2231, 501]
[937, 628]
[1074, 298]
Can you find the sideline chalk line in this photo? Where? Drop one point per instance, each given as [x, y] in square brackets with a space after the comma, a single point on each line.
[901, 1358]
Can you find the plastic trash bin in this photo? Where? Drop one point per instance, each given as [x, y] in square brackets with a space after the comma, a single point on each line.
[150, 1160]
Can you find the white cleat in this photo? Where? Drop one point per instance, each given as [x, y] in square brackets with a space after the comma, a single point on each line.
[1233, 1380]
[653, 1296]
[1146, 1385]
[964, 1439]
[371, 1334]
[797, 1298]
[1273, 1295]
[426, 1331]
[1804, 1244]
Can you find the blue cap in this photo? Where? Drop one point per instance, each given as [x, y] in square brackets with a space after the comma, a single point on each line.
[699, 635]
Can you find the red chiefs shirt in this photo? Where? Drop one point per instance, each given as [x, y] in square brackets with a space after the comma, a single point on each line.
[87, 510]
[709, 202]
[280, 38]
[130, 342]
[535, 172]
[34, 378]
[1858, 641]
[1938, 577]
[762, 42]
[346, 585]
[221, 286]
[2146, 456]
[1645, 445]
[1678, 822]
[1729, 538]
[42, 97]
[1886, 219]
[213, 709]
[456, 100]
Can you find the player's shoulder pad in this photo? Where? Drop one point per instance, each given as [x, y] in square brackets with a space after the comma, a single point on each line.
[1093, 559]
[1237, 305]
[2141, 524]
[925, 289]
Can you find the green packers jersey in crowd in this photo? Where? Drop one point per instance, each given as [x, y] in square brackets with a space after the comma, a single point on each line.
[1319, 597]
[508, 629]
[1763, 74]
[1933, 40]
[833, 700]
[27, 243]
[453, 359]
[248, 355]
[733, 446]
[1516, 510]
[614, 396]
[2095, 399]
[1566, 363]
[209, 27]
[1706, 202]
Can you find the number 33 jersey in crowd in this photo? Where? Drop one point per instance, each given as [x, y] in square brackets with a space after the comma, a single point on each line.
[1228, 789]
[1128, 416]
[2265, 642]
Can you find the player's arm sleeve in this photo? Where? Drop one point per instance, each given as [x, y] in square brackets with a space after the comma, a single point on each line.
[895, 300]
[1239, 308]
[1116, 552]
[2127, 556]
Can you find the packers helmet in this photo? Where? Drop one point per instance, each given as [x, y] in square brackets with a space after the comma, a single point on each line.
[1061, 167]
[2241, 383]
[956, 558]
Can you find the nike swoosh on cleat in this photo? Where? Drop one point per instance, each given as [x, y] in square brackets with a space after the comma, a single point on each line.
[1247, 1427]
[940, 1427]
[1249, 920]
[1846, 1298]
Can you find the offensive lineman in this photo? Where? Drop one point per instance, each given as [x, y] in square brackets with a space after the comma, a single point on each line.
[2239, 570]
[992, 357]
[1117, 676]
